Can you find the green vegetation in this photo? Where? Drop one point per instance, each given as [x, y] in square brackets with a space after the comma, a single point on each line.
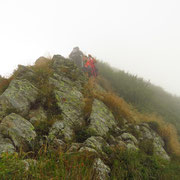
[133, 165]
[51, 164]
[48, 165]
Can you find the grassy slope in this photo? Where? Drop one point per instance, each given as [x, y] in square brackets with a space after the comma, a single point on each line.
[145, 96]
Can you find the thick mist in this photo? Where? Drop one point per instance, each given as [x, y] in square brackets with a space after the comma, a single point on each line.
[139, 37]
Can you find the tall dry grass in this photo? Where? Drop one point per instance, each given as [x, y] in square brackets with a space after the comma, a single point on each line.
[124, 110]
[88, 94]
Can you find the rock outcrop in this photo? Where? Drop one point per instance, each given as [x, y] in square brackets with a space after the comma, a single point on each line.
[18, 120]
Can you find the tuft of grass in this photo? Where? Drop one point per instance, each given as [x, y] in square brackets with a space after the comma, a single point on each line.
[4, 83]
[46, 97]
[117, 105]
[104, 83]
[88, 93]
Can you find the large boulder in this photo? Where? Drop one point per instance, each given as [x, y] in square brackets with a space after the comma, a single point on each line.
[18, 97]
[19, 130]
[70, 101]
[68, 81]
[101, 119]
[66, 68]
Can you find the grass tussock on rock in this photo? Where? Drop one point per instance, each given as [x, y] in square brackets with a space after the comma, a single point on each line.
[121, 109]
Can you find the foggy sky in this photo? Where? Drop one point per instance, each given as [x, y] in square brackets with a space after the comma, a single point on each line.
[141, 37]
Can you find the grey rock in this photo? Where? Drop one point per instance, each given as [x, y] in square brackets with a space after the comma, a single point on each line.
[18, 96]
[101, 171]
[74, 147]
[37, 115]
[96, 142]
[131, 146]
[101, 119]
[158, 143]
[61, 130]
[19, 130]
[158, 148]
[24, 72]
[6, 145]
[70, 101]
[87, 149]
[128, 136]
[58, 144]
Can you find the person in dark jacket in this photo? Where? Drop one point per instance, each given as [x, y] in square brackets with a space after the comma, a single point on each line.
[76, 55]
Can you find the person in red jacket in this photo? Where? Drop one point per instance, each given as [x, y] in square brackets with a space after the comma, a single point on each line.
[90, 66]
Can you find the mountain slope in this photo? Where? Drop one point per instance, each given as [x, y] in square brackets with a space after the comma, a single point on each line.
[145, 96]
[56, 123]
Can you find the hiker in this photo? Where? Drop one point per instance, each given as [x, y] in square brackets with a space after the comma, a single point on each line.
[76, 55]
[90, 66]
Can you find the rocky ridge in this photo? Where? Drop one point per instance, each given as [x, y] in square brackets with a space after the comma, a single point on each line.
[20, 112]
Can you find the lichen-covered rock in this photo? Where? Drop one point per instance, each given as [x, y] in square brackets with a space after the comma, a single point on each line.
[101, 171]
[147, 133]
[70, 101]
[158, 148]
[24, 72]
[96, 142]
[18, 96]
[6, 145]
[87, 149]
[19, 130]
[131, 146]
[61, 130]
[101, 119]
[37, 115]
[129, 137]
[74, 147]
